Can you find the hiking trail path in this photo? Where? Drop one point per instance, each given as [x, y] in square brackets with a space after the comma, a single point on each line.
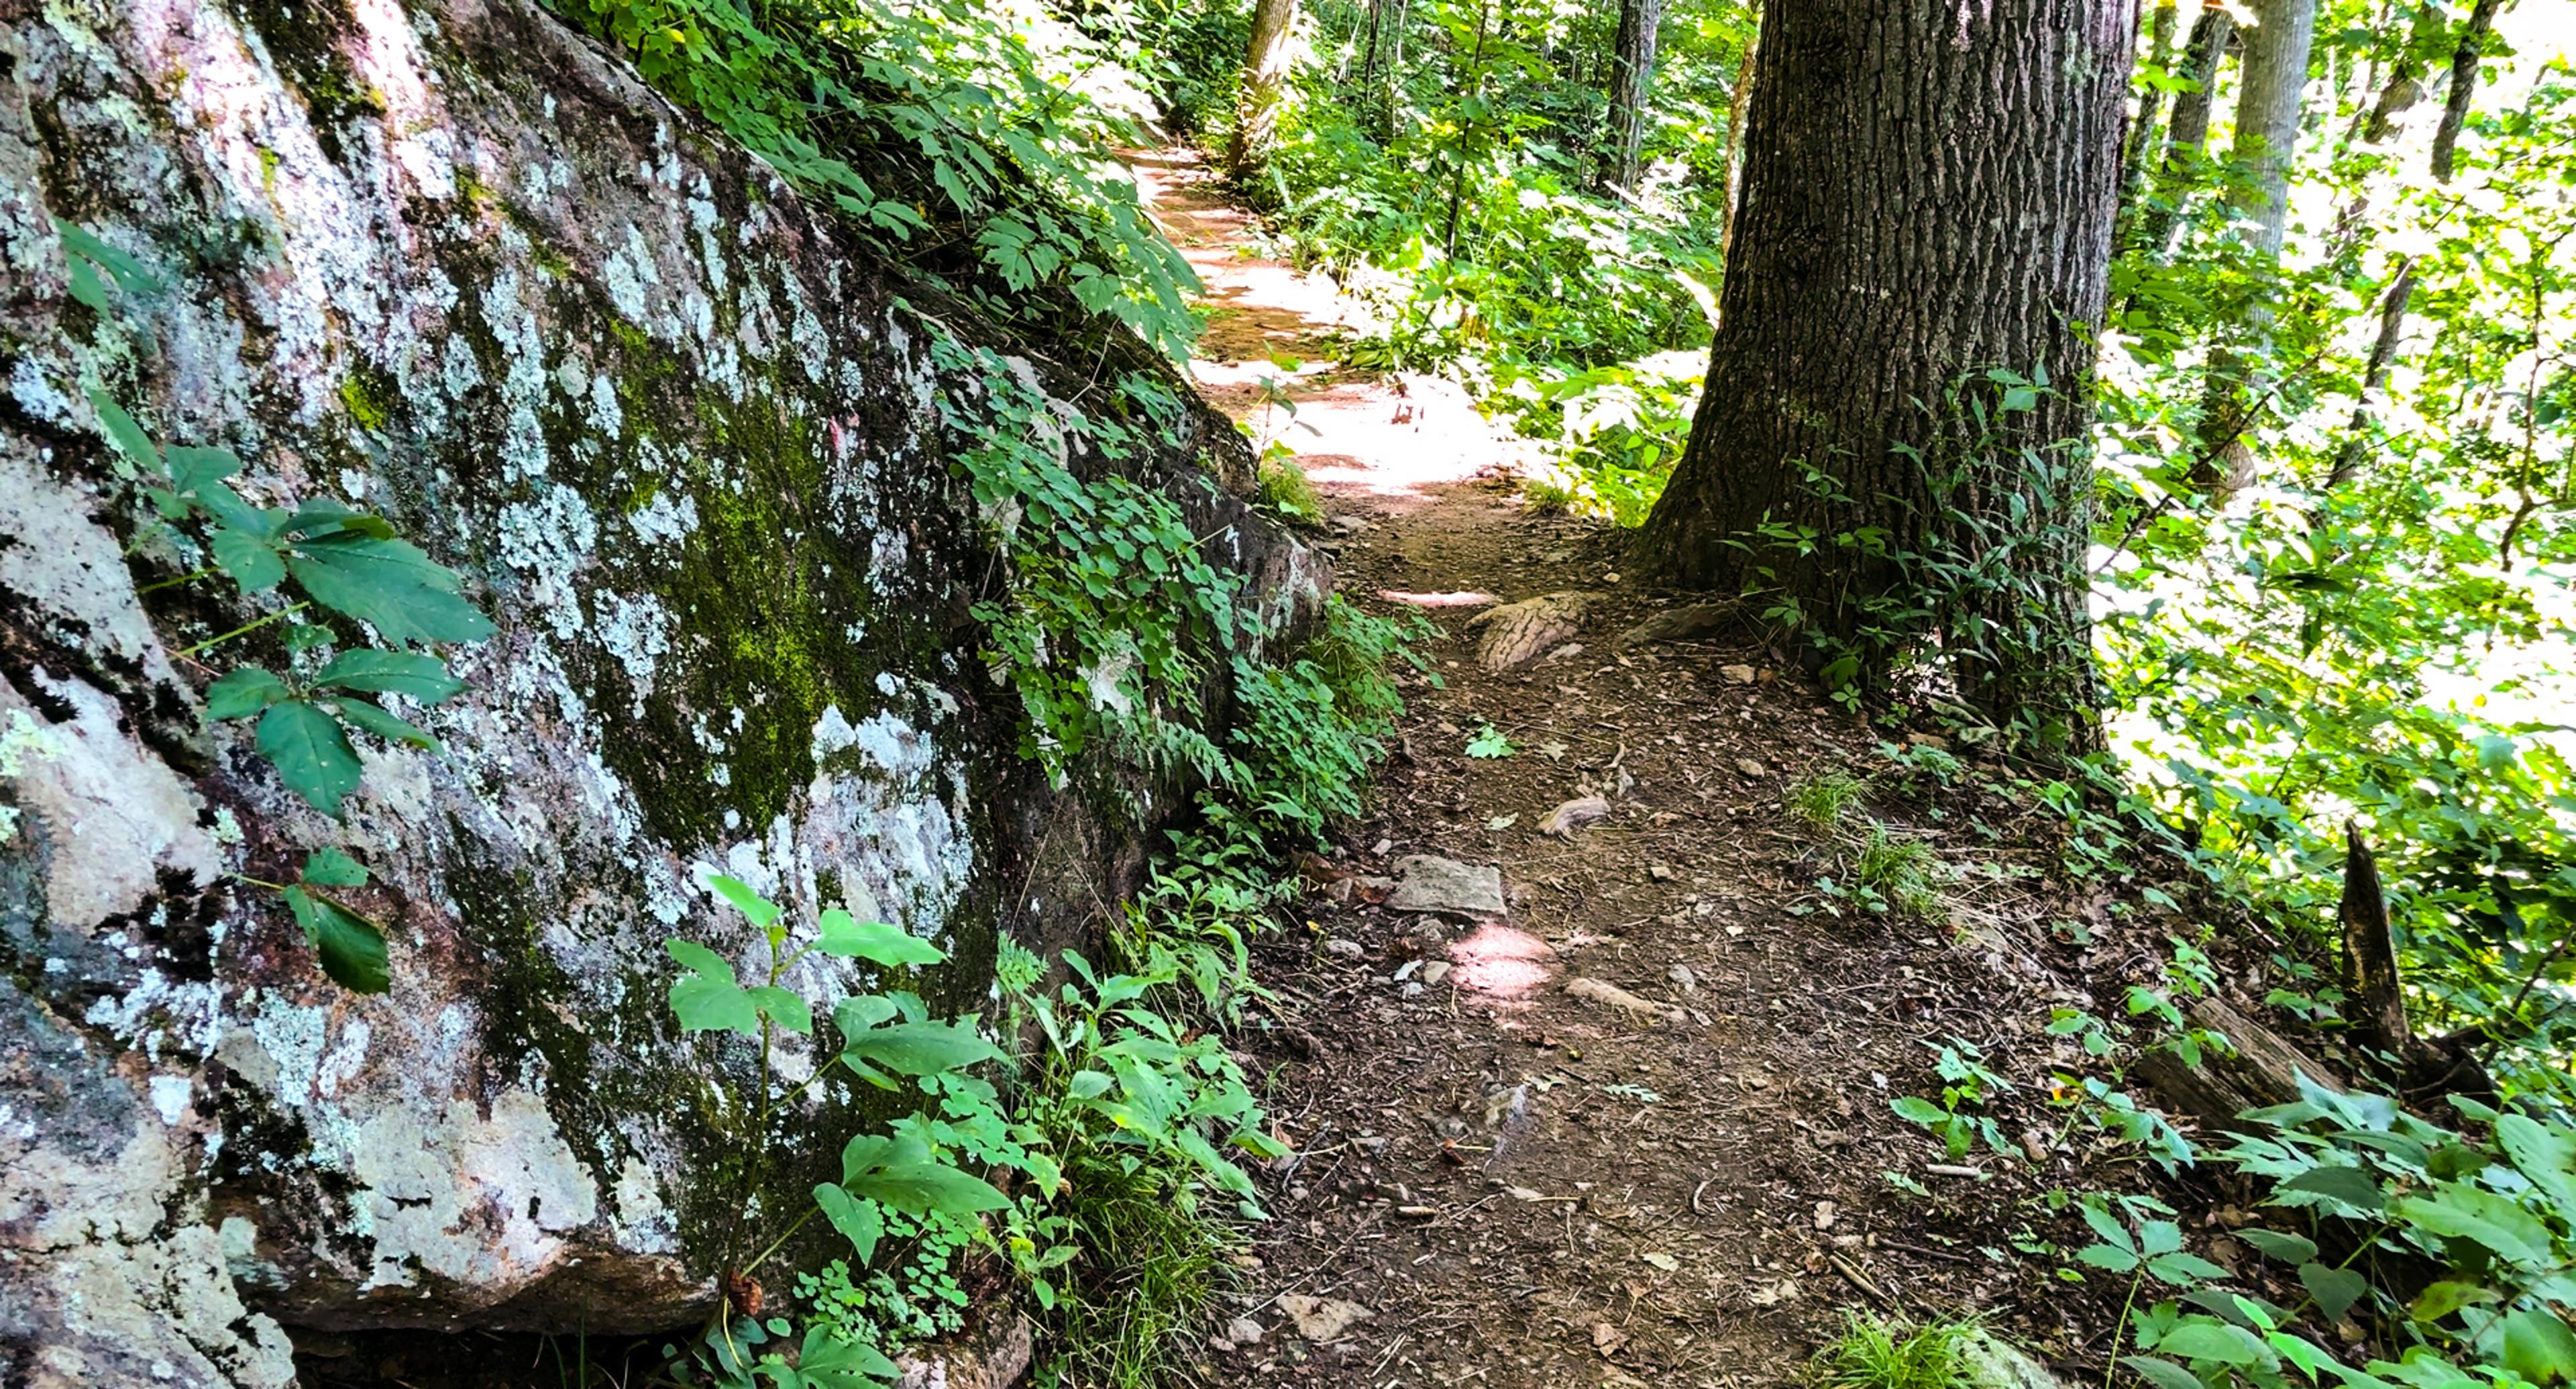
[1507, 1175]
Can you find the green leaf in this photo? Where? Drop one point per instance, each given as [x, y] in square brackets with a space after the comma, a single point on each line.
[389, 584]
[920, 1188]
[829, 1362]
[1916, 1109]
[244, 691]
[310, 753]
[2455, 1210]
[2212, 1340]
[333, 868]
[2538, 1346]
[2448, 1296]
[2108, 1256]
[2289, 1249]
[920, 1048]
[252, 562]
[761, 910]
[783, 1007]
[859, 1221]
[194, 468]
[851, 938]
[373, 718]
[352, 950]
[2335, 1289]
[128, 272]
[2164, 1374]
[129, 437]
[2346, 1186]
[410, 673]
[2545, 1153]
[2184, 1270]
[707, 999]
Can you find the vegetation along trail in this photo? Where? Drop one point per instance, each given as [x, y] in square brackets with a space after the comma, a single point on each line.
[1625, 1120]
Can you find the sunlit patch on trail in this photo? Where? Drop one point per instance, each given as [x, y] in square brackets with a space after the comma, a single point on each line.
[1502, 964]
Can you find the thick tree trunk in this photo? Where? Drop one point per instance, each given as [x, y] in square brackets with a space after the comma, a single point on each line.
[1927, 191]
[1632, 79]
[2187, 138]
[2464, 85]
[1265, 81]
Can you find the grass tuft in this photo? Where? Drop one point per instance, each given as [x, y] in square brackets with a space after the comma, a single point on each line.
[1823, 801]
[1873, 1354]
[1905, 873]
[1153, 1258]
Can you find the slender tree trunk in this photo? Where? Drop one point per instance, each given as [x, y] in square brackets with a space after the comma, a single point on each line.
[2275, 82]
[2464, 85]
[2383, 354]
[1265, 82]
[1928, 190]
[2187, 138]
[2272, 89]
[2142, 127]
[1632, 79]
[1368, 63]
[1739, 110]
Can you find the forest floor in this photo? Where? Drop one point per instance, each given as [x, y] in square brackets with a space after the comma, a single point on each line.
[1501, 1179]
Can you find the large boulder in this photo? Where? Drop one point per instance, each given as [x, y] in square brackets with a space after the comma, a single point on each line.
[448, 261]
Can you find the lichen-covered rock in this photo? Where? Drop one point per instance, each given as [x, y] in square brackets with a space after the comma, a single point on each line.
[447, 261]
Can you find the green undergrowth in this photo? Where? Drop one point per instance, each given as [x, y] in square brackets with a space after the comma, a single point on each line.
[2378, 1243]
[962, 139]
[1875, 1354]
[1083, 1144]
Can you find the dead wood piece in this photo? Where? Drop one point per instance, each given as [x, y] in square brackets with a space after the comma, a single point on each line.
[2263, 1070]
[1517, 632]
[1600, 992]
[1681, 623]
[1582, 810]
[2378, 1011]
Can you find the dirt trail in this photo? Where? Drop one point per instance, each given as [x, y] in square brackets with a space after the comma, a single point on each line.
[1524, 1185]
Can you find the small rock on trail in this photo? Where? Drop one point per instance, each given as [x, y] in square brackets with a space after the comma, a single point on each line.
[1429, 883]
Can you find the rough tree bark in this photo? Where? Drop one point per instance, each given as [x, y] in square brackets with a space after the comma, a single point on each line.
[1927, 190]
[2464, 84]
[2187, 138]
[1265, 79]
[1632, 79]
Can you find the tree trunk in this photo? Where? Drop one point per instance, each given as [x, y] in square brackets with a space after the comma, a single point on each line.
[2274, 82]
[1265, 81]
[2392, 327]
[1739, 111]
[1892, 236]
[2271, 89]
[2464, 84]
[2142, 128]
[1632, 79]
[2186, 140]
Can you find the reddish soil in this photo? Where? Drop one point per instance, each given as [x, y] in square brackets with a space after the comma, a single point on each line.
[1527, 1187]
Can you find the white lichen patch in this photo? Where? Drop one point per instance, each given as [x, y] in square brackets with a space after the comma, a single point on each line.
[550, 540]
[469, 1199]
[114, 816]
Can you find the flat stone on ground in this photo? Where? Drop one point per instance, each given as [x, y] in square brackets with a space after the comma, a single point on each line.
[1429, 883]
